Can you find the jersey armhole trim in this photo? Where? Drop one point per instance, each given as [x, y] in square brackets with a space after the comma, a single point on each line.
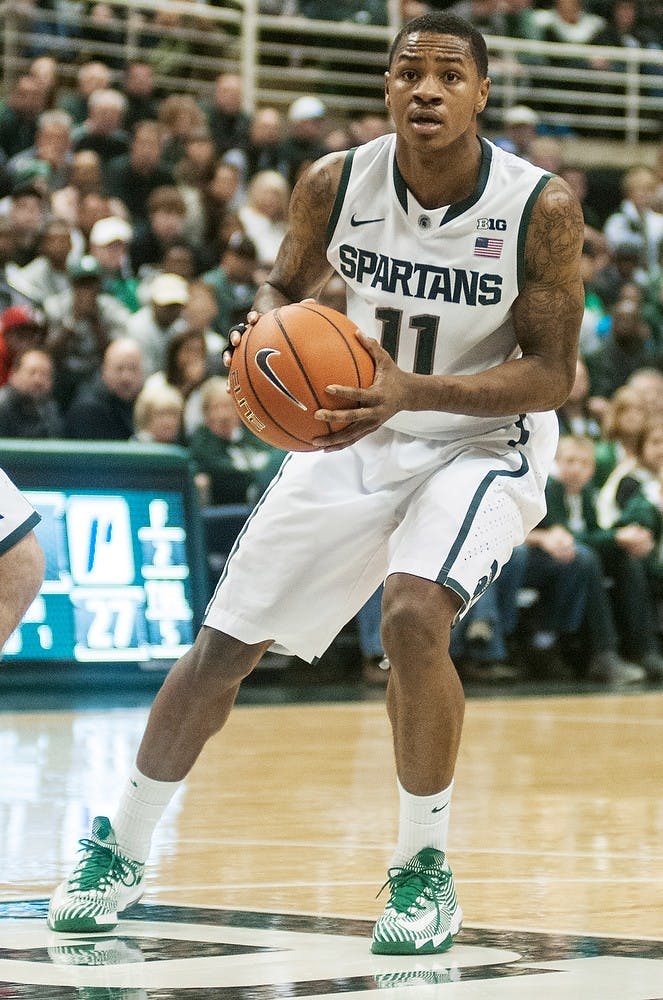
[14, 537]
[340, 194]
[524, 226]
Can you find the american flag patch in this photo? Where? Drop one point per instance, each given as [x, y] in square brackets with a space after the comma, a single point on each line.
[486, 246]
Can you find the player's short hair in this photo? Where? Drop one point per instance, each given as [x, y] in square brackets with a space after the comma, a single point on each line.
[443, 23]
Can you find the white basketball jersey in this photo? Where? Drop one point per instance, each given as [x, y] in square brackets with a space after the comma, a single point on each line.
[434, 286]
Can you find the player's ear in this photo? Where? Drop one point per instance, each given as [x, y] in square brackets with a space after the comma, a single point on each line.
[482, 100]
[386, 89]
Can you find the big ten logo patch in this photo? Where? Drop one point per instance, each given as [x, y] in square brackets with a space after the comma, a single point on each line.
[492, 225]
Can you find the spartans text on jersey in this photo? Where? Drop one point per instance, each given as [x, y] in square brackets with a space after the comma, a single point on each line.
[419, 281]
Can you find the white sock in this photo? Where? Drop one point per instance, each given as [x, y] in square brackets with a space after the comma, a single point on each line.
[423, 822]
[141, 807]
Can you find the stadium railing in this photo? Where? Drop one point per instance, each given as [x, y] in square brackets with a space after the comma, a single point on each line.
[280, 58]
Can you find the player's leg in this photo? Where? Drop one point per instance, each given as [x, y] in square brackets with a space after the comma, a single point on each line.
[424, 684]
[425, 703]
[21, 574]
[265, 590]
[194, 703]
[458, 531]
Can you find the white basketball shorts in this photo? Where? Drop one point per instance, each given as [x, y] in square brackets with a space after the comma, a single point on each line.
[331, 527]
[17, 516]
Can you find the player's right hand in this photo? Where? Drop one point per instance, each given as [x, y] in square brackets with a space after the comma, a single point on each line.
[236, 333]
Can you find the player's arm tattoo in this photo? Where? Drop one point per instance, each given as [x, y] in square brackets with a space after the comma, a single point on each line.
[302, 267]
[548, 311]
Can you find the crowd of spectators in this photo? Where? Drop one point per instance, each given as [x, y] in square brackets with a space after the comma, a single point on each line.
[595, 563]
[135, 228]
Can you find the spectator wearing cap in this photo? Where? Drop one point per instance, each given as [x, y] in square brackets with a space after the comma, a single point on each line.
[234, 281]
[520, 130]
[21, 327]
[51, 148]
[19, 114]
[27, 406]
[102, 409]
[228, 122]
[133, 176]
[82, 321]
[304, 142]
[102, 131]
[265, 213]
[166, 224]
[109, 243]
[153, 325]
[47, 275]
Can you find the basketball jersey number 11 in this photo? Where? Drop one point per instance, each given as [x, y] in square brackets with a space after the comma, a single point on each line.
[424, 332]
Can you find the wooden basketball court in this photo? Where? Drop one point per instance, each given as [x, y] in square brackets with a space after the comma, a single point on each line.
[265, 869]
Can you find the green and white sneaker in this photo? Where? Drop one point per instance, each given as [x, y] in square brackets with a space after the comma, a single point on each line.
[104, 883]
[422, 916]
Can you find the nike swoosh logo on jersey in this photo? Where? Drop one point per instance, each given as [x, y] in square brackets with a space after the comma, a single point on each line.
[263, 361]
[354, 221]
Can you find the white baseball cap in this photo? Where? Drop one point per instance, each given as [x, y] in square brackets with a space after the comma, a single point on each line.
[168, 290]
[113, 229]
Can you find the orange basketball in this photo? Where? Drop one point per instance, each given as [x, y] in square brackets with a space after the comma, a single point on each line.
[280, 371]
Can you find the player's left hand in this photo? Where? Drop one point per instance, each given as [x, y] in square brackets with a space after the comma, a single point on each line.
[372, 406]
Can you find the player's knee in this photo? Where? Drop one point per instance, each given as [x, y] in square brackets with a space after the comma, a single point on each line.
[218, 658]
[415, 620]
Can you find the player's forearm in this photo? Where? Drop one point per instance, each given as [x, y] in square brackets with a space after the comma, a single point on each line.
[523, 385]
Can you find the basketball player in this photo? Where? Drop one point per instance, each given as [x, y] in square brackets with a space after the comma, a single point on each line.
[21, 557]
[462, 268]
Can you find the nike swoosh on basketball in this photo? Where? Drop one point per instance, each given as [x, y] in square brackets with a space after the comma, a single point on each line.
[354, 221]
[263, 362]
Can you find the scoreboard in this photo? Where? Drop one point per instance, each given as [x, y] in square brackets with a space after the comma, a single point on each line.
[125, 572]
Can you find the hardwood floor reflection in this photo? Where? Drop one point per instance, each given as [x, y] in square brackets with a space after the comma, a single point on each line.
[557, 817]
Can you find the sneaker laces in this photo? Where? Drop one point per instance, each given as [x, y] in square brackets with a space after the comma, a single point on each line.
[101, 867]
[407, 886]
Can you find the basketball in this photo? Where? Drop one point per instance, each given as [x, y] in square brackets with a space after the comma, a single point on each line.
[280, 370]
